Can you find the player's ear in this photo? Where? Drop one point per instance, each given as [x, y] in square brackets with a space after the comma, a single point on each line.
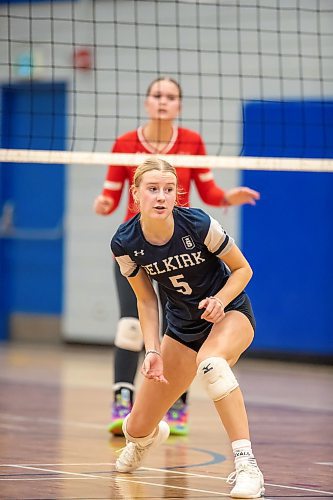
[135, 195]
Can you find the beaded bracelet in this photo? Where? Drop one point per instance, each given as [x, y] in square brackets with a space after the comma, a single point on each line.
[152, 351]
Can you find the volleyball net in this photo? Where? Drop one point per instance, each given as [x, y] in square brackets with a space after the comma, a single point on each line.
[257, 79]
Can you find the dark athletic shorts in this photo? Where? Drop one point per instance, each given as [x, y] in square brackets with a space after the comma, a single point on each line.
[241, 304]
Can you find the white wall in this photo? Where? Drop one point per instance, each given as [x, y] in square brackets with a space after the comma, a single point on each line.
[237, 62]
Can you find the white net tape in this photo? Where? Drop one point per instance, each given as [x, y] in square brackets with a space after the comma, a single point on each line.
[221, 162]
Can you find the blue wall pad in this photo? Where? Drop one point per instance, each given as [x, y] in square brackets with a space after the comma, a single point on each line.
[31, 256]
[288, 236]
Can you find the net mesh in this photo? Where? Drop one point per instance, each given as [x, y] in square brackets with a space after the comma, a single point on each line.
[225, 55]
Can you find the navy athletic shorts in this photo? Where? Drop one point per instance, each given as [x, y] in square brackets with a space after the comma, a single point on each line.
[241, 304]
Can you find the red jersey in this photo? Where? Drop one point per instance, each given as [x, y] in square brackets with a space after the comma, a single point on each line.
[184, 142]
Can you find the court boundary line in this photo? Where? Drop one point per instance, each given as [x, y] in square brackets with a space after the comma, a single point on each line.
[167, 471]
[110, 478]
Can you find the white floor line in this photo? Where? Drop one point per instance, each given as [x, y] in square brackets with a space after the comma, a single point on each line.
[163, 485]
[74, 464]
[24, 479]
[298, 488]
[181, 473]
[55, 471]
[92, 476]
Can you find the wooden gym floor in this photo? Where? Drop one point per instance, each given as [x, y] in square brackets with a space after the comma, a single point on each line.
[54, 408]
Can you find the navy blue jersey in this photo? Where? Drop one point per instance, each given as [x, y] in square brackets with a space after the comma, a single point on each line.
[187, 267]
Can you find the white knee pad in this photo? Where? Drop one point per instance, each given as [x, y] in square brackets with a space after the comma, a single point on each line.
[217, 377]
[129, 335]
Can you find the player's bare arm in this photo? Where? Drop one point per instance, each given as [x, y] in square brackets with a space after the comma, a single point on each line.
[152, 367]
[241, 274]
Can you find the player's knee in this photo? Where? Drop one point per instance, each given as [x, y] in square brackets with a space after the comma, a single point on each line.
[217, 377]
[129, 335]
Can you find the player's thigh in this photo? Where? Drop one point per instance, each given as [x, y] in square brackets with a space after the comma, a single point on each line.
[179, 362]
[228, 339]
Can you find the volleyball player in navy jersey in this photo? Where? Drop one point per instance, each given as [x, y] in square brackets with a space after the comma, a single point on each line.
[159, 135]
[210, 321]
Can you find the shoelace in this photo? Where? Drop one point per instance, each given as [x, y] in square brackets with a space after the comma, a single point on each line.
[132, 452]
[248, 468]
[231, 479]
[120, 450]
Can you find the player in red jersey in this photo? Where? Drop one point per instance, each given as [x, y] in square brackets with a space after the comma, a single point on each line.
[160, 135]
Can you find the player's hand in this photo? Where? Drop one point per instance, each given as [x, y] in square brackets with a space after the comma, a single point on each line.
[242, 195]
[152, 368]
[214, 310]
[103, 205]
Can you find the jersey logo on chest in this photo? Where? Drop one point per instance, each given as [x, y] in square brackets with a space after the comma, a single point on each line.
[188, 242]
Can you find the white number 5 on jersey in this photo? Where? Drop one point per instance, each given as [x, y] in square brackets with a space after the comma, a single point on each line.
[182, 286]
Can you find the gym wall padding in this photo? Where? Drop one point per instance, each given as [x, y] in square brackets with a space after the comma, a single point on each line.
[288, 238]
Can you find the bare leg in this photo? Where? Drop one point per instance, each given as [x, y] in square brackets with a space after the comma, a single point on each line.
[228, 339]
[154, 398]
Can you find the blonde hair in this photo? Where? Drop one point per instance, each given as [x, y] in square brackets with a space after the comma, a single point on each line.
[153, 163]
